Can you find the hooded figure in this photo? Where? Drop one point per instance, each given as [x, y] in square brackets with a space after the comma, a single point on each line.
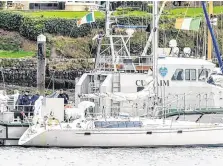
[25, 99]
[64, 96]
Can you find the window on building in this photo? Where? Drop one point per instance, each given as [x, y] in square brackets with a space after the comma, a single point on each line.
[178, 75]
[203, 74]
[9, 3]
[190, 74]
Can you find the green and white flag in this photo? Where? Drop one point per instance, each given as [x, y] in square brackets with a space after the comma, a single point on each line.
[89, 18]
[188, 23]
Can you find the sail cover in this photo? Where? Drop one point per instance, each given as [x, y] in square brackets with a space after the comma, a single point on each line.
[148, 91]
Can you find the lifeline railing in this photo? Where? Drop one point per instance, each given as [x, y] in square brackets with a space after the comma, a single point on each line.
[24, 110]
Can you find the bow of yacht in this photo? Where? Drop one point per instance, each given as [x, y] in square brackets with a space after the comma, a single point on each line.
[121, 132]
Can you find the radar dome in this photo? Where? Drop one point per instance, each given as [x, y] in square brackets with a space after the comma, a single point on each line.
[173, 43]
[187, 51]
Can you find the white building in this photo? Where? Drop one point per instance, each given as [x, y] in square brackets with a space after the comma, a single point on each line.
[52, 5]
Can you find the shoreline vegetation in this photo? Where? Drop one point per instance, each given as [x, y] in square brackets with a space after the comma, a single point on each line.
[72, 42]
[70, 47]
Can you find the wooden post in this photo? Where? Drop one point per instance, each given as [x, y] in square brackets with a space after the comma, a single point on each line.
[41, 63]
[209, 35]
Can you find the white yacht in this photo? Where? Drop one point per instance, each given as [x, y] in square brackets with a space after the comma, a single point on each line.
[176, 84]
[121, 132]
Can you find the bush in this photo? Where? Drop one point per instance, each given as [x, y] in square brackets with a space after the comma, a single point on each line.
[10, 43]
[31, 27]
[75, 48]
[66, 27]
[10, 21]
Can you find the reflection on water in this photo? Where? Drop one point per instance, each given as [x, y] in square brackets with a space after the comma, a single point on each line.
[17, 156]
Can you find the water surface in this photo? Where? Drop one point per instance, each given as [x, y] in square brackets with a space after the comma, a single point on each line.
[18, 156]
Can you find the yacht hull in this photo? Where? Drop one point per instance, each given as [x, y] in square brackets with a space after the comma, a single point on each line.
[125, 138]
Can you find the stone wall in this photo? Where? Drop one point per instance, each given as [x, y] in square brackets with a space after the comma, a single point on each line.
[23, 73]
[27, 77]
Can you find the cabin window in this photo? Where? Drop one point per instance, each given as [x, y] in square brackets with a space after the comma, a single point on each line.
[187, 74]
[190, 74]
[193, 74]
[178, 75]
[203, 74]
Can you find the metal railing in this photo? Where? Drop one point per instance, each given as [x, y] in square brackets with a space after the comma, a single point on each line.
[21, 113]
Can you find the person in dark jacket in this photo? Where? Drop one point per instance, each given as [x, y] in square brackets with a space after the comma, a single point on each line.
[64, 96]
[34, 98]
[25, 101]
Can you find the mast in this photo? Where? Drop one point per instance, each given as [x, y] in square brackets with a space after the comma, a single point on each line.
[107, 21]
[209, 34]
[155, 45]
[155, 23]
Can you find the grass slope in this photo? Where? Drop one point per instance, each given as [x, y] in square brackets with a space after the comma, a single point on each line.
[192, 12]
[178, 12]
[61, 14]
[76, 15]
[17, 54]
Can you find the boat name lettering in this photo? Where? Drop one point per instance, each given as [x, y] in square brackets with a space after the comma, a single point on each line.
[140, 83]
[164, 83]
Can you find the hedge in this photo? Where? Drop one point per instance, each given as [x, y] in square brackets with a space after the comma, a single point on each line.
[10, 21]
[31, 27]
